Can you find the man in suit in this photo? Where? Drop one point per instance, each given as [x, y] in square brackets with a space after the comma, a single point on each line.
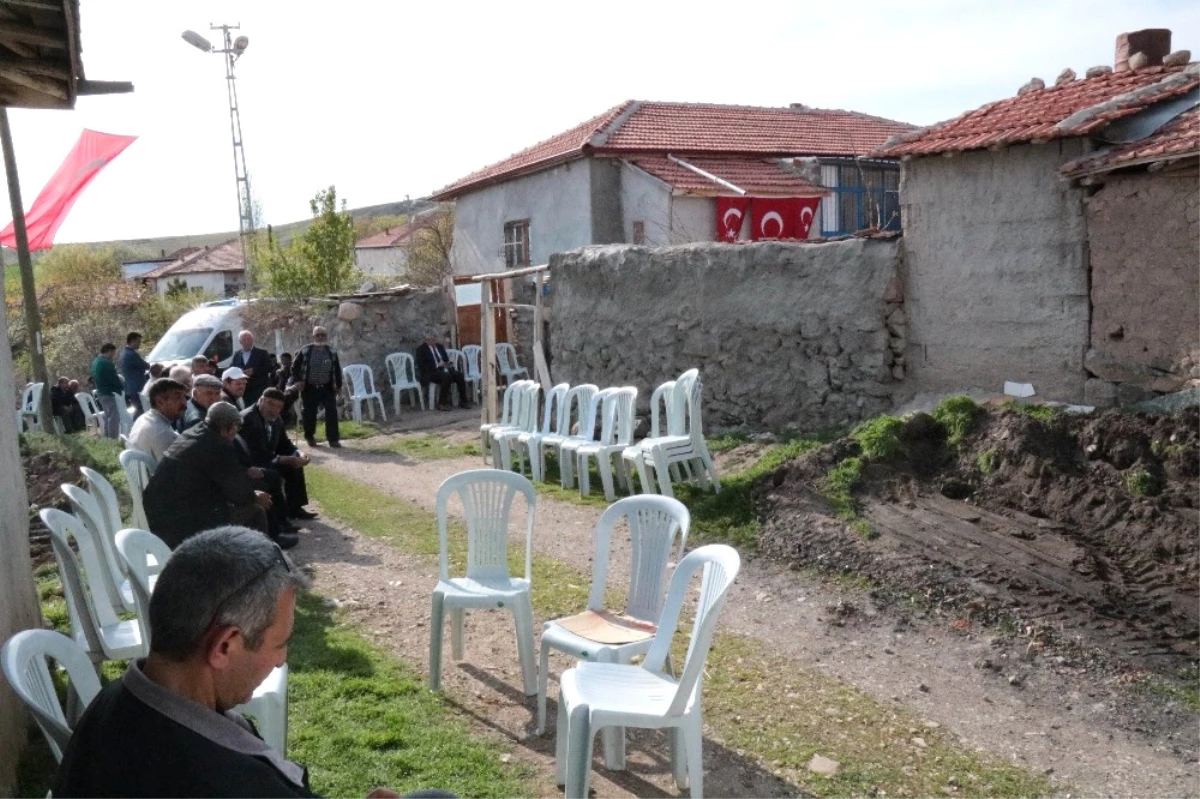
[255, 362]
[433, 366]
[267, 446]
[134, 371]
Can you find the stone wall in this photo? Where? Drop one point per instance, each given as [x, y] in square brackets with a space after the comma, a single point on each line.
[996, 276]
[784, 335]
[1144, 234]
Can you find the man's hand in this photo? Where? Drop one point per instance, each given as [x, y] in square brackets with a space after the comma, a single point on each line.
[255, 473]
[262, 499]
[297, 461]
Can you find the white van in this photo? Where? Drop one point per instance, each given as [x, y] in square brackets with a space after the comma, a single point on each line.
[210, 330]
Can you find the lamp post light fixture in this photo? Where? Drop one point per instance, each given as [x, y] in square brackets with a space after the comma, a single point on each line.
[233, 49]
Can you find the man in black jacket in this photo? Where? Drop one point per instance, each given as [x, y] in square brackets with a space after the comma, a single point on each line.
[255, 363]
[433, 366]
[206, 389]
[268, 447]
[318, 373]
[201, 483]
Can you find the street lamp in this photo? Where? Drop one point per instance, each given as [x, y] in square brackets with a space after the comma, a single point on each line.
[234, 47]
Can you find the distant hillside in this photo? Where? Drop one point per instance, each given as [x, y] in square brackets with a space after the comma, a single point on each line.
[161, 246]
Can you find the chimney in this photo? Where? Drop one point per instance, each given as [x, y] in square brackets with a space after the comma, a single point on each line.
[1154, 42]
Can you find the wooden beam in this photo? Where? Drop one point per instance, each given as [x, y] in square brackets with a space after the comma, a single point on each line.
[103, 87]
[37, 84]
[50, 68]
[28, 34]
[509, 273]
[20, 49]
[40, 5]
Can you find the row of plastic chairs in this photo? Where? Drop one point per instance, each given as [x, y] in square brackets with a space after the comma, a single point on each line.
[29, 413]
[603, 693]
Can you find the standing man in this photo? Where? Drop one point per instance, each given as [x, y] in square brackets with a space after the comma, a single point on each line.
[318, 373]
[109, 390]
[154, 431]
[255, 363]
[134, 370]
[268, 447]
[433, 366]
[233, 386]
[206, 389]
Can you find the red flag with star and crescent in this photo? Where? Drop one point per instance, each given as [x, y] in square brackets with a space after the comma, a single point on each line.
[731, 213]
[89, 155]
[774, 217]
[808, 212]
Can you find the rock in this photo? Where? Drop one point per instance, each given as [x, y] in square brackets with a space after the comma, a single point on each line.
[1138, 61]
[824, 766]
[894, 291]
[1129, 393]
[1097, 71]
[1101, 393]
[1108, 367]
[1066, 76]
[1178, 58]
[1034, 85]
[1168, 384]
[349, 311]
[1171, 403]
[923, 688]
[1016, 680]
[919, 742]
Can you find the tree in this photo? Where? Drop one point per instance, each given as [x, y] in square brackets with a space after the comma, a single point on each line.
[429, 245]
[321, 261]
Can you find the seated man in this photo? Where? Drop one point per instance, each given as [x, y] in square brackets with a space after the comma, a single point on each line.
[200, 483]
[269, 448]
[221, 616]
[182, 374]
[64, 405]
[433, 366]
[233, 387]
[154, 431]
[206, 389]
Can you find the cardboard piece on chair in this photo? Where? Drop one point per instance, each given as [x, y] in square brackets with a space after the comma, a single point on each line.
[606, 627]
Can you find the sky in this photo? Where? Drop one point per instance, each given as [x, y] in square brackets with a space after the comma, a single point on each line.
[388, 98]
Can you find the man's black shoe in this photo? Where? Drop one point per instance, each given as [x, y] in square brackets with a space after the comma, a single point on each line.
[303, 514]
[466, 406]
[284, 526]
[312, 442]
[287, 540]
[335, 444]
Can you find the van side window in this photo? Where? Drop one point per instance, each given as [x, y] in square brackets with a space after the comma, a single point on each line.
[221, 346]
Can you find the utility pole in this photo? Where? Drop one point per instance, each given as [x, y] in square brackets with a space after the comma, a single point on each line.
[33, 317]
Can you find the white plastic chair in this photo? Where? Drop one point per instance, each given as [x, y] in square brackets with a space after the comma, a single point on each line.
[529, 441]
[586, 433]
[473, 373]
[94, 625]
[658, 531]
[105, 577]
[524, 420]
[598, 695]
[572, 409]
[92, 415]
[124, 414]
[506, 362]
[31, 399]
[139, 551]
[362, 390]
[25, 661]
[487, 497]
[138, 467]
[402, 374]
[616, 433]
[507, 405]
[684, 443]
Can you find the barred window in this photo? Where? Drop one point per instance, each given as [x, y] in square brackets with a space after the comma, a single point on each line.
[516, 243]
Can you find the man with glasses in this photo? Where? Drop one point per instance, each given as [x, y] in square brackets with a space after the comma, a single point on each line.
[220, 619]
[318, 373]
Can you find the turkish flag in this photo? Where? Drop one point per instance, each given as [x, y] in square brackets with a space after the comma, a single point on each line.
[84, 162]
[731, 212]
[808, 212]
[774, 217]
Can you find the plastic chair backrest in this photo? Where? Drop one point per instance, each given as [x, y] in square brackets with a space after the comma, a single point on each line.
[574, 407]
[133, 547]
[658, 531]
[88, 403]
[512, 393]
[80, 606]
[361, 379]
[102, 574]
[525, 411]
[587, 420]
[719, 564]
[110, 507]
[138, 467]
[554, 408]
[487, 496]
[402, 370]
[25, 662]
[616, 416]
[506, 358]
[123, 413]
[472, 353]
[456, 359]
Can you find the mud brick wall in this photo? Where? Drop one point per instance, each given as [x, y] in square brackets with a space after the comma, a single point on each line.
[1144, 233]
[785, 335]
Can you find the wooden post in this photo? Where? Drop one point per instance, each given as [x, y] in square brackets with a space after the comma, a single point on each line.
[488, 407]
[451, 298]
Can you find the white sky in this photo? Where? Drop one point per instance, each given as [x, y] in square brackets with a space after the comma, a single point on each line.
[386, 99]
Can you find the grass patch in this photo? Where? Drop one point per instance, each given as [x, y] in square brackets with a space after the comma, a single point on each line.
[1142, 483]
[987, 461]
[839, 487]
[95, 452]
[360, 719]
[347, 429]
[426, 448]
[764, 704]
[727, 441]
[1043, 413]
[959, 415]
[1186, 695]
[879, 437]
[1167, 449]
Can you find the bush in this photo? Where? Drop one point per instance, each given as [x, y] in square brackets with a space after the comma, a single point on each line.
[1143, 483]
[959, 415]
[986, 461]
[879, 437]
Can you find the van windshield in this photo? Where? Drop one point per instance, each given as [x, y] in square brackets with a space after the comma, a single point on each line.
[179, 344]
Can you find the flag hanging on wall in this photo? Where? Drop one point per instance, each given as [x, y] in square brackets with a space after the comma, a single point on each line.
[89, 155]
[774, 217]
[731, 212]
[808, 212]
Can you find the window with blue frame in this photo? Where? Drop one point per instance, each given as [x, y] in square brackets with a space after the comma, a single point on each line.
[866, 194]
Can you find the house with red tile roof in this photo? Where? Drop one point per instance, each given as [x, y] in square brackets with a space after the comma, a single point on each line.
[218, 271]
[385, 253]
[652, 173]
[1051, 237]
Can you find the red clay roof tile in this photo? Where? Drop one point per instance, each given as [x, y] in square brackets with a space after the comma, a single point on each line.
[1077, 108]
[757, 176]
[387, 238]
[226, 257]
[1179, 138]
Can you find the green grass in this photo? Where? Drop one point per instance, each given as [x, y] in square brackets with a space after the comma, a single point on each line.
[959, 415]
[728, 441]
[987, 461]
[426, 448]
[879, 437]
[346, 430]
[1043, 413]
[359, 719]
[1142, 483]
[1167, 449]
[839, 487]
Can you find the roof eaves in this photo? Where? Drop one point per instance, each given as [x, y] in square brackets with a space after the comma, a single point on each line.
[1086, 120]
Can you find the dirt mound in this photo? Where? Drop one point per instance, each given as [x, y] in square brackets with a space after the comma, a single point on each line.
[44, 474]
[1082, 529]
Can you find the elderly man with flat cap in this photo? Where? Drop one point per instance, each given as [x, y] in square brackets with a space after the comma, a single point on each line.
[201, 483]
[206, 389]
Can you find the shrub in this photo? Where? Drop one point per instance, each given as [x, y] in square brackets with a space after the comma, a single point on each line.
[1142, 482]
[958, 414]
[986, 461]
[879, 437]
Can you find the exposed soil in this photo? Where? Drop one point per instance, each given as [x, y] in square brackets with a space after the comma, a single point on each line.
[44, 475]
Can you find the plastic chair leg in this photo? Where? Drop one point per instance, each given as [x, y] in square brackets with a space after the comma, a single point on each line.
[456, 632]
[536, 467]
[579, 752]
[543, 684]
[585, 477]
[694, 741]
[523, 621]
[662, 473]
[566, 467]
[604, 464]
[560, 745]
[612, 737]
[436, 621]
[644, 476]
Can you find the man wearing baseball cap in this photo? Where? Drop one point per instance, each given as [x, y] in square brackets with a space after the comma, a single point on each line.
[233, 386]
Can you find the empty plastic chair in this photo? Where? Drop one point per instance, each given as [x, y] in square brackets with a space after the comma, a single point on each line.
[572, 410]
[487, 497]
[93, 417]
[683, 444]
[507, 406]
[528, 440]
[105, 576]
[138, 467]
[25, 661]
[616, 433]
[506, 362]
[31, 399]
[524, 420]
[124, 414]
[361, 382]
[473, 371]
[598, 695]
[402, 374]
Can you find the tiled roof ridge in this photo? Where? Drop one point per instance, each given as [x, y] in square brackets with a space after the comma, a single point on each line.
[791, 108]
[175, 267]
[1079, 121]
[1177, 139]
